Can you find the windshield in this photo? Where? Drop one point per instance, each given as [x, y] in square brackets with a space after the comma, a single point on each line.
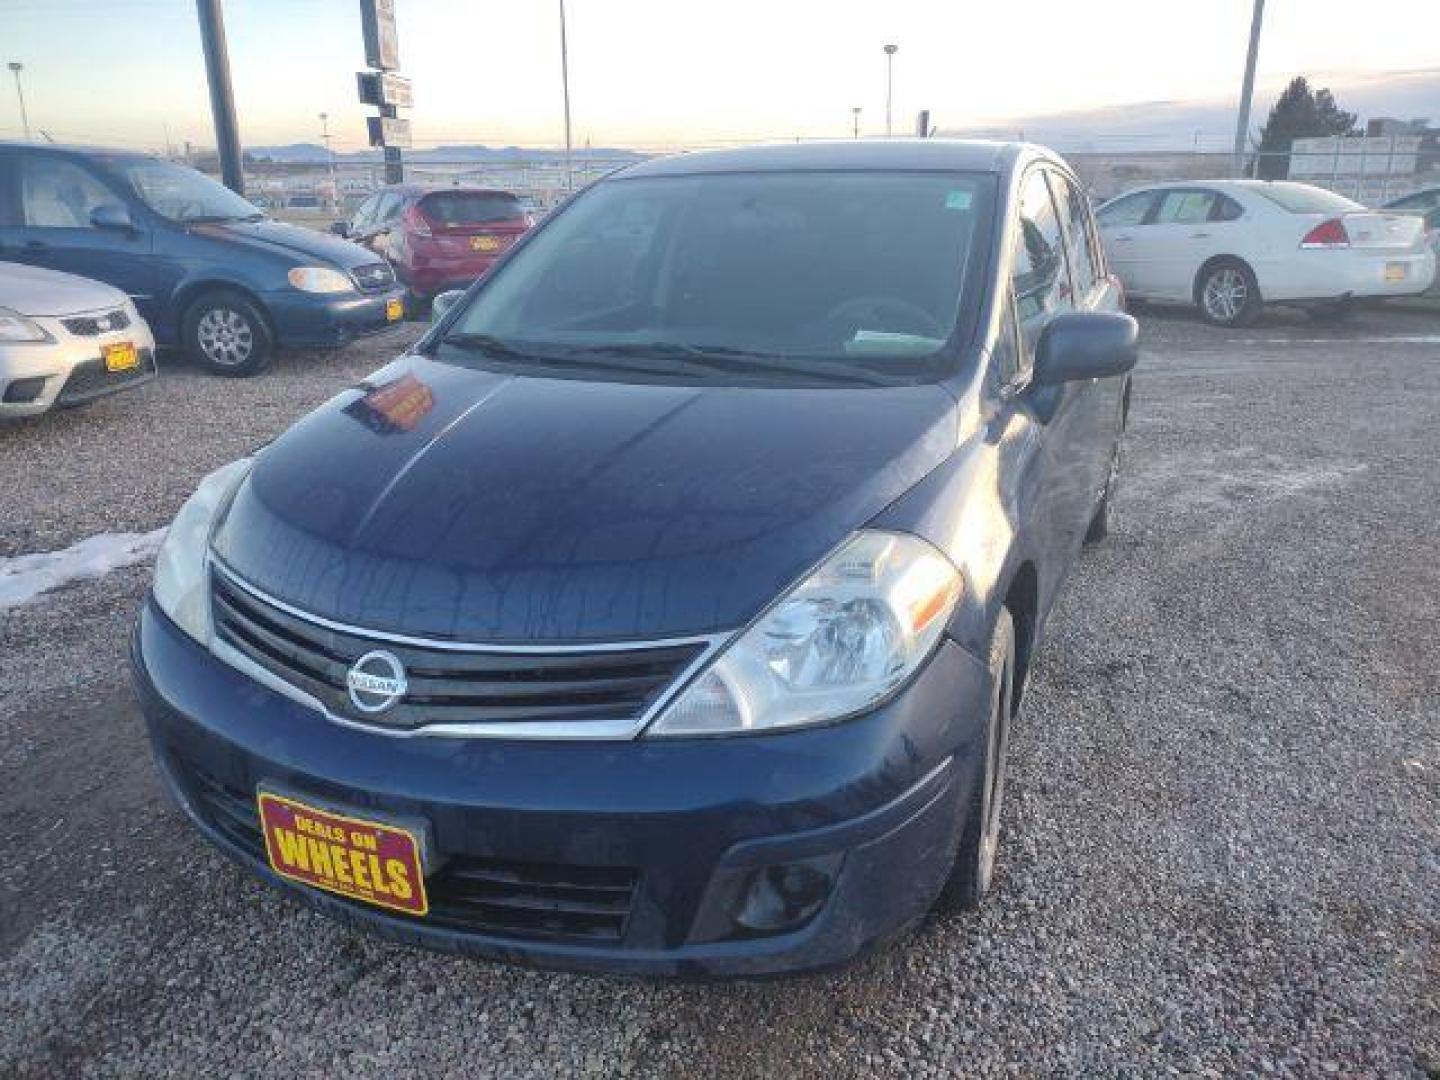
[1304, 199]
[471, 207]
[856, 269]
[182, 194]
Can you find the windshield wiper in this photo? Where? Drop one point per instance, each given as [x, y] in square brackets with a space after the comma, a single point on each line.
[725, 358]
[211, 219]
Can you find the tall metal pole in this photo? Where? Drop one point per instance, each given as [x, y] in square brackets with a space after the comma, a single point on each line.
[222, 97]
[889, 88]
[565, 84]
[1247, 90]
[856, 111]
[16, 67]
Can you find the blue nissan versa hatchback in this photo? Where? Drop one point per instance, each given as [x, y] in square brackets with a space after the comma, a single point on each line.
[208, 271]
[665, 609]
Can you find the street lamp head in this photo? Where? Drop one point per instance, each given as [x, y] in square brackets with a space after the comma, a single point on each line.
[891, 50]
[16, 66]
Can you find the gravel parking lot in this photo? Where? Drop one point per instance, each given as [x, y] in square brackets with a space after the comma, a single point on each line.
[1221, 852]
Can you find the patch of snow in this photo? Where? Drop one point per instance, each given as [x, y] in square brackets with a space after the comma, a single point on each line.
[24, 577]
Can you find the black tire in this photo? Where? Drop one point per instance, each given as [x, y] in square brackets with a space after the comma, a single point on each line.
[1228, 294]
[226, 333]
[1100, 523]
[974, 867]
[417, 307]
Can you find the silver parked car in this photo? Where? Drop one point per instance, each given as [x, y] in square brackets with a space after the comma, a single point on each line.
[65, 340]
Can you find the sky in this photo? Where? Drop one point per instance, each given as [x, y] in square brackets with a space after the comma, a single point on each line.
[655, 74]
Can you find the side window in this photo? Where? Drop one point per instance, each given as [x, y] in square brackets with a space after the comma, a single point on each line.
[1084, 264]
[1006, 357]
[389, 208]
[1038, 275]
[1185, 207]
[1226, 209]
[364, 213]
[1127, 210]
[59, 194]
[9, 200]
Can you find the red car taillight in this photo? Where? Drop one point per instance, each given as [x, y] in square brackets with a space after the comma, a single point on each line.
[417, 223]
[1328, 234]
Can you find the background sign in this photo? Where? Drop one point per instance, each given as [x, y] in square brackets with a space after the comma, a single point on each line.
[382, 44]
[388, 131]
[384, 88]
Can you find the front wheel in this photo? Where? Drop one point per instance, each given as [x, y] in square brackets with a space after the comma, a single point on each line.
[226, 333]
[974, 867]
[1228, 294]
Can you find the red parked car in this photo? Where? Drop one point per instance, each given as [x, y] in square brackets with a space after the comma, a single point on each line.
[437, 238]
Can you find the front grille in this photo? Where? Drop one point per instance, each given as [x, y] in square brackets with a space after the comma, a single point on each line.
[90, 378]
[94, 325]
[490, 896]
[446, 686]
[373, 277]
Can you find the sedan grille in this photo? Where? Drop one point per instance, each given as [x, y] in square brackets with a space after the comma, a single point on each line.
[94, 325]
[449, 685]
[490, 896]
[373, 277]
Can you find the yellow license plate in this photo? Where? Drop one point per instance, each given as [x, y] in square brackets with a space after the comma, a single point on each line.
[122, 356]
[484, 243]
[373, 861]
[1395, 271]
[394, 310]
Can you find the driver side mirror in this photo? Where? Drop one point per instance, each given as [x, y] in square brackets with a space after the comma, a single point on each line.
[444, 302]
[1080, 345]
[340, 228]
[112, 215]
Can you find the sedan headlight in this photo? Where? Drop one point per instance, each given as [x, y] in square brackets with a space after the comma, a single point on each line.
[319, 279]
[15, 327]
[181, 588]
[834, 645]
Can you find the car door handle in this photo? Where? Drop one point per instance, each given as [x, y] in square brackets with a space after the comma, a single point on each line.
[1122, 239]
[36, 245]
[1199, 236]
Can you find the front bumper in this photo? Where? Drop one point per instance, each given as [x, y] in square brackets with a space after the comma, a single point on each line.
[38, 376]
[317, 321]
[681, 820]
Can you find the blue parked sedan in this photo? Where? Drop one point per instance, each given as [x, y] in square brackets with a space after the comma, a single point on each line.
[208, 271]
[667, 608]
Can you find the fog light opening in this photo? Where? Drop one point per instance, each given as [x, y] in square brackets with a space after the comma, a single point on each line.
[785, 896]
[24, 391]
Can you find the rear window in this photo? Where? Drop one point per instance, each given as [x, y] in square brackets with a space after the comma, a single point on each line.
[1304, 199]
[471, 207]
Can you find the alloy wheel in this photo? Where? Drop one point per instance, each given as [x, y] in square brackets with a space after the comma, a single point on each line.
[225, 337]
[1225, 295]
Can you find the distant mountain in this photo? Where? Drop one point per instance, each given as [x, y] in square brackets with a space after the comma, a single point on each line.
[312, 154]
[1210, 125]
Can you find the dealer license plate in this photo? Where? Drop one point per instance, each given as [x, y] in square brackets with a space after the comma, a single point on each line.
[374, 861]
[1396, 271]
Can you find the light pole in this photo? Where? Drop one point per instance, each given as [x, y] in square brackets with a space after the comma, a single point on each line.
[565, 86]
[1247, 90]
[329, 158]
[856, 111]
[890, 51]
[17, 67]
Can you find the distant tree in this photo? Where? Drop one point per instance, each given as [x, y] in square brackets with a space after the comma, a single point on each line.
[1301, 113]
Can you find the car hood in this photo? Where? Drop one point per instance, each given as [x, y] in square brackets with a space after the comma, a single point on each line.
[289, 240]
[443, 501]
[33, 291]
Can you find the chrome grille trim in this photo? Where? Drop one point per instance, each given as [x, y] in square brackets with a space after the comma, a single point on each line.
[604, 729]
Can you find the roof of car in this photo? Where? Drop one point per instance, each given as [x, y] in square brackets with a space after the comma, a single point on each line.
[71, 148]
[957, 155]
[411, 188]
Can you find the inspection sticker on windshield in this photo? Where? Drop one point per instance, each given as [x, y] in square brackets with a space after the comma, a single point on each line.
[372, 861]
[958, 200]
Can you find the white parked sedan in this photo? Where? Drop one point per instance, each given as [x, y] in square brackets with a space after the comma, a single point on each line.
[65, 340]
[1229, 246]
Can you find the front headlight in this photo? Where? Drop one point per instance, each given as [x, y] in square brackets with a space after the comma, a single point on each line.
[834, 645]
[181, 588]
[15, 327]
[319, 279]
